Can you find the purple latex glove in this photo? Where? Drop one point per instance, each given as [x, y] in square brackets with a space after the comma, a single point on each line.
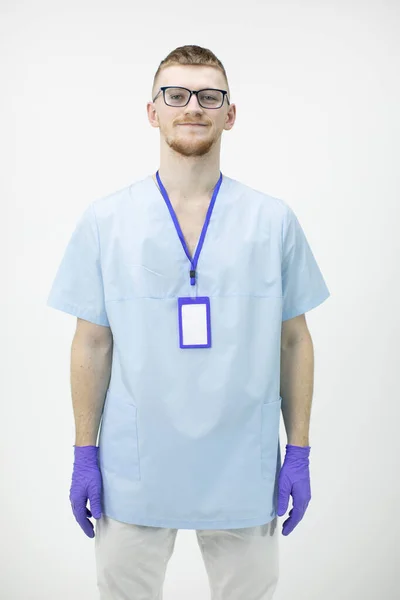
[294, 479]
[86, 484]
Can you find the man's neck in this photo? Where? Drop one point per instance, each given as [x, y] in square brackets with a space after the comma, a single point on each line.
[187, 182]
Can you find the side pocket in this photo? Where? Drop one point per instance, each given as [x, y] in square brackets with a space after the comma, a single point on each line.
[270, 420]
[118, 440]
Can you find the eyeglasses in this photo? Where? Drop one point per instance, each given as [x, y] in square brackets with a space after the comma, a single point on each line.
[180, 96]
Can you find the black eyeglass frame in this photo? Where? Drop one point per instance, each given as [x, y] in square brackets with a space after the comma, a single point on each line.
[191, 92]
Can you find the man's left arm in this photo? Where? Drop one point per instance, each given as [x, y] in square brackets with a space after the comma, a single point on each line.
[296, 390]
[297, 379]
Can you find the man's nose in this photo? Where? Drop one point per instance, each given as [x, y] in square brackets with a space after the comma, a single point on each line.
[193, 103]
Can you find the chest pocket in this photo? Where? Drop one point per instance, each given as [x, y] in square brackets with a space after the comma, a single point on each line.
[134, 280]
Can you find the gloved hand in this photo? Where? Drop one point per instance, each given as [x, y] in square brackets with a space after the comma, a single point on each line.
[294, 479]
[86, 484]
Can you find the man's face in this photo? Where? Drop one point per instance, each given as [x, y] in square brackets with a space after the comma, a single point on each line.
[185, 139]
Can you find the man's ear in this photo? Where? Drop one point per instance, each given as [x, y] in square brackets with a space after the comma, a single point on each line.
[152, 115]
[230, 117]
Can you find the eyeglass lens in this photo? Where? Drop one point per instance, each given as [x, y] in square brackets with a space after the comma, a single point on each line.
[206, 98]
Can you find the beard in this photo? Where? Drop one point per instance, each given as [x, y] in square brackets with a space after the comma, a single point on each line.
[190, 144]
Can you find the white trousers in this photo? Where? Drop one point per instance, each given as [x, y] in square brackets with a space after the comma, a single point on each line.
[131, 560]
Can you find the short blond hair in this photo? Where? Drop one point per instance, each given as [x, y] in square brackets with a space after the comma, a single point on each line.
[190, 55]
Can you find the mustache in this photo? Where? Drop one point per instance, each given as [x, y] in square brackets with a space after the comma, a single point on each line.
[191, 123]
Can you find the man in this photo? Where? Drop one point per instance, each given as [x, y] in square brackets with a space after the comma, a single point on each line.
[190, 290]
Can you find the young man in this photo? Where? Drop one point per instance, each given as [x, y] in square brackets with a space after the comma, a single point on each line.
[190, 290]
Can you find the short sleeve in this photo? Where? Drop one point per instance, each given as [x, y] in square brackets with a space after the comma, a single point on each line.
[78, 285]
[303, 286]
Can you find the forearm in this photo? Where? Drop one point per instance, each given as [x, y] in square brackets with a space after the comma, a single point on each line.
[297, 381]
[90, 377]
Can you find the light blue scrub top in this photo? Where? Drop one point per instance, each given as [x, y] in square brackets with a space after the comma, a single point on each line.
[189, 438]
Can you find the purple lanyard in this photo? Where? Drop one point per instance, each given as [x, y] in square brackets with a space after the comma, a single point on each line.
[179, 231]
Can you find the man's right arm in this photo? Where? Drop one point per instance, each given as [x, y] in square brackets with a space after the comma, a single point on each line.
[91, 359]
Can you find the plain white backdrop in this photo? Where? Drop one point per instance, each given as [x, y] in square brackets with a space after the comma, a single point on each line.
[316, 85]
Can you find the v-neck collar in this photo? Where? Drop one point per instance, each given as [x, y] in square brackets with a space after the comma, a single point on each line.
[158, 197]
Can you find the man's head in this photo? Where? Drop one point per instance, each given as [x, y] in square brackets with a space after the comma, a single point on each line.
[194, 68]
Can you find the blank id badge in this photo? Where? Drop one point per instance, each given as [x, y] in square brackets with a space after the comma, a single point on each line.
[194, 322]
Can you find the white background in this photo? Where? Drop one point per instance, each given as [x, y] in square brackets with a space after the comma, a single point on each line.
[316, 85]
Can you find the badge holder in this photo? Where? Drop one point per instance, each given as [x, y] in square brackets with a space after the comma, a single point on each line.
[194, 322]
